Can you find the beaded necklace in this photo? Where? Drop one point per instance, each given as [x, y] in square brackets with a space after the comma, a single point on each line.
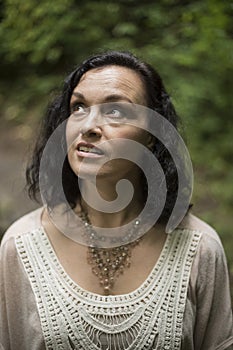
[108, 263]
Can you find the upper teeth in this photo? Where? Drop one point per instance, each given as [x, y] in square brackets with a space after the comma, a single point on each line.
[89, 149]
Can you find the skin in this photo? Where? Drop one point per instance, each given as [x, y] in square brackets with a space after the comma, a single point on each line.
[111, 84]
[98, 86]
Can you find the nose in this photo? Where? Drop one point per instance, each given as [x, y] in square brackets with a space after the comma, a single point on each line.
[91, 127]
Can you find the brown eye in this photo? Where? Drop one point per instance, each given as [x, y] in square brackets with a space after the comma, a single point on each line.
[115, 111]
[78, 108]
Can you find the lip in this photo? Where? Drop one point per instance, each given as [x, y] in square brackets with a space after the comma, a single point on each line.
[84, 154]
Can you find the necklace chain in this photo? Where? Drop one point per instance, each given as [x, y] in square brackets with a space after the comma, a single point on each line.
[108, 263]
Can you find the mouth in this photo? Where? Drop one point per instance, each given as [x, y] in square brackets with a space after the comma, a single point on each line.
[89, 150]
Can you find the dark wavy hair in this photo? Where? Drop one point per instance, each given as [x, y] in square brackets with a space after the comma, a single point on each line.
[59, 110]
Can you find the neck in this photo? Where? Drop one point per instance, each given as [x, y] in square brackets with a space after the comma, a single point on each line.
[107, 191]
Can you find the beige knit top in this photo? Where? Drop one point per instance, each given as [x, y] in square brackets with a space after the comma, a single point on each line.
[183, 304]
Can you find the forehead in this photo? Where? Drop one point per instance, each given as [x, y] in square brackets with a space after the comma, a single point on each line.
[112, 80]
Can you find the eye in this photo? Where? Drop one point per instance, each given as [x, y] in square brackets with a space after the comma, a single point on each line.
[115, 112]
[78, 108]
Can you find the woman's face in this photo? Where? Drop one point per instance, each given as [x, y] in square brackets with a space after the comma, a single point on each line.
[99, 104]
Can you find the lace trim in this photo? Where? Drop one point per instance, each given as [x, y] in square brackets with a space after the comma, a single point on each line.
[151, 317]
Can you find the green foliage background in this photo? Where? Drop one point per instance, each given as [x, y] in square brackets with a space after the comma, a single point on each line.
[189, 42]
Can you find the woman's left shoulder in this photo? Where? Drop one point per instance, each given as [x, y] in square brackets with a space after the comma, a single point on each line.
[210, 262]
[209, 239]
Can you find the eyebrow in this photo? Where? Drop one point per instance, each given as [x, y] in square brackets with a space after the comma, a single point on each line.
[109, 98]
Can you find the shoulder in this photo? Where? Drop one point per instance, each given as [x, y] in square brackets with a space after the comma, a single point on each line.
[210, 253]
[209, 237]
[24, 224]
[209, 264]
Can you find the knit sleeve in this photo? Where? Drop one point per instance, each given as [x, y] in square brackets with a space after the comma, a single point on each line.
[213, 324]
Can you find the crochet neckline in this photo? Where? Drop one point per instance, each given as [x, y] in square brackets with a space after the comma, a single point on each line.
[149, 317]
[77, 289]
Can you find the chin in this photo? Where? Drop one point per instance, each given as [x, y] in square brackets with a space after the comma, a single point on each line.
[89, 172]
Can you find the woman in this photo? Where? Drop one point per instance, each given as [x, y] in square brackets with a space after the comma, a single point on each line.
[152, 291]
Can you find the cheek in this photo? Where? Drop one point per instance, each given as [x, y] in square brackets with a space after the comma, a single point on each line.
[133, 152]
[68, 133]
[142, 137]
[135, 134]
[71, 133]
